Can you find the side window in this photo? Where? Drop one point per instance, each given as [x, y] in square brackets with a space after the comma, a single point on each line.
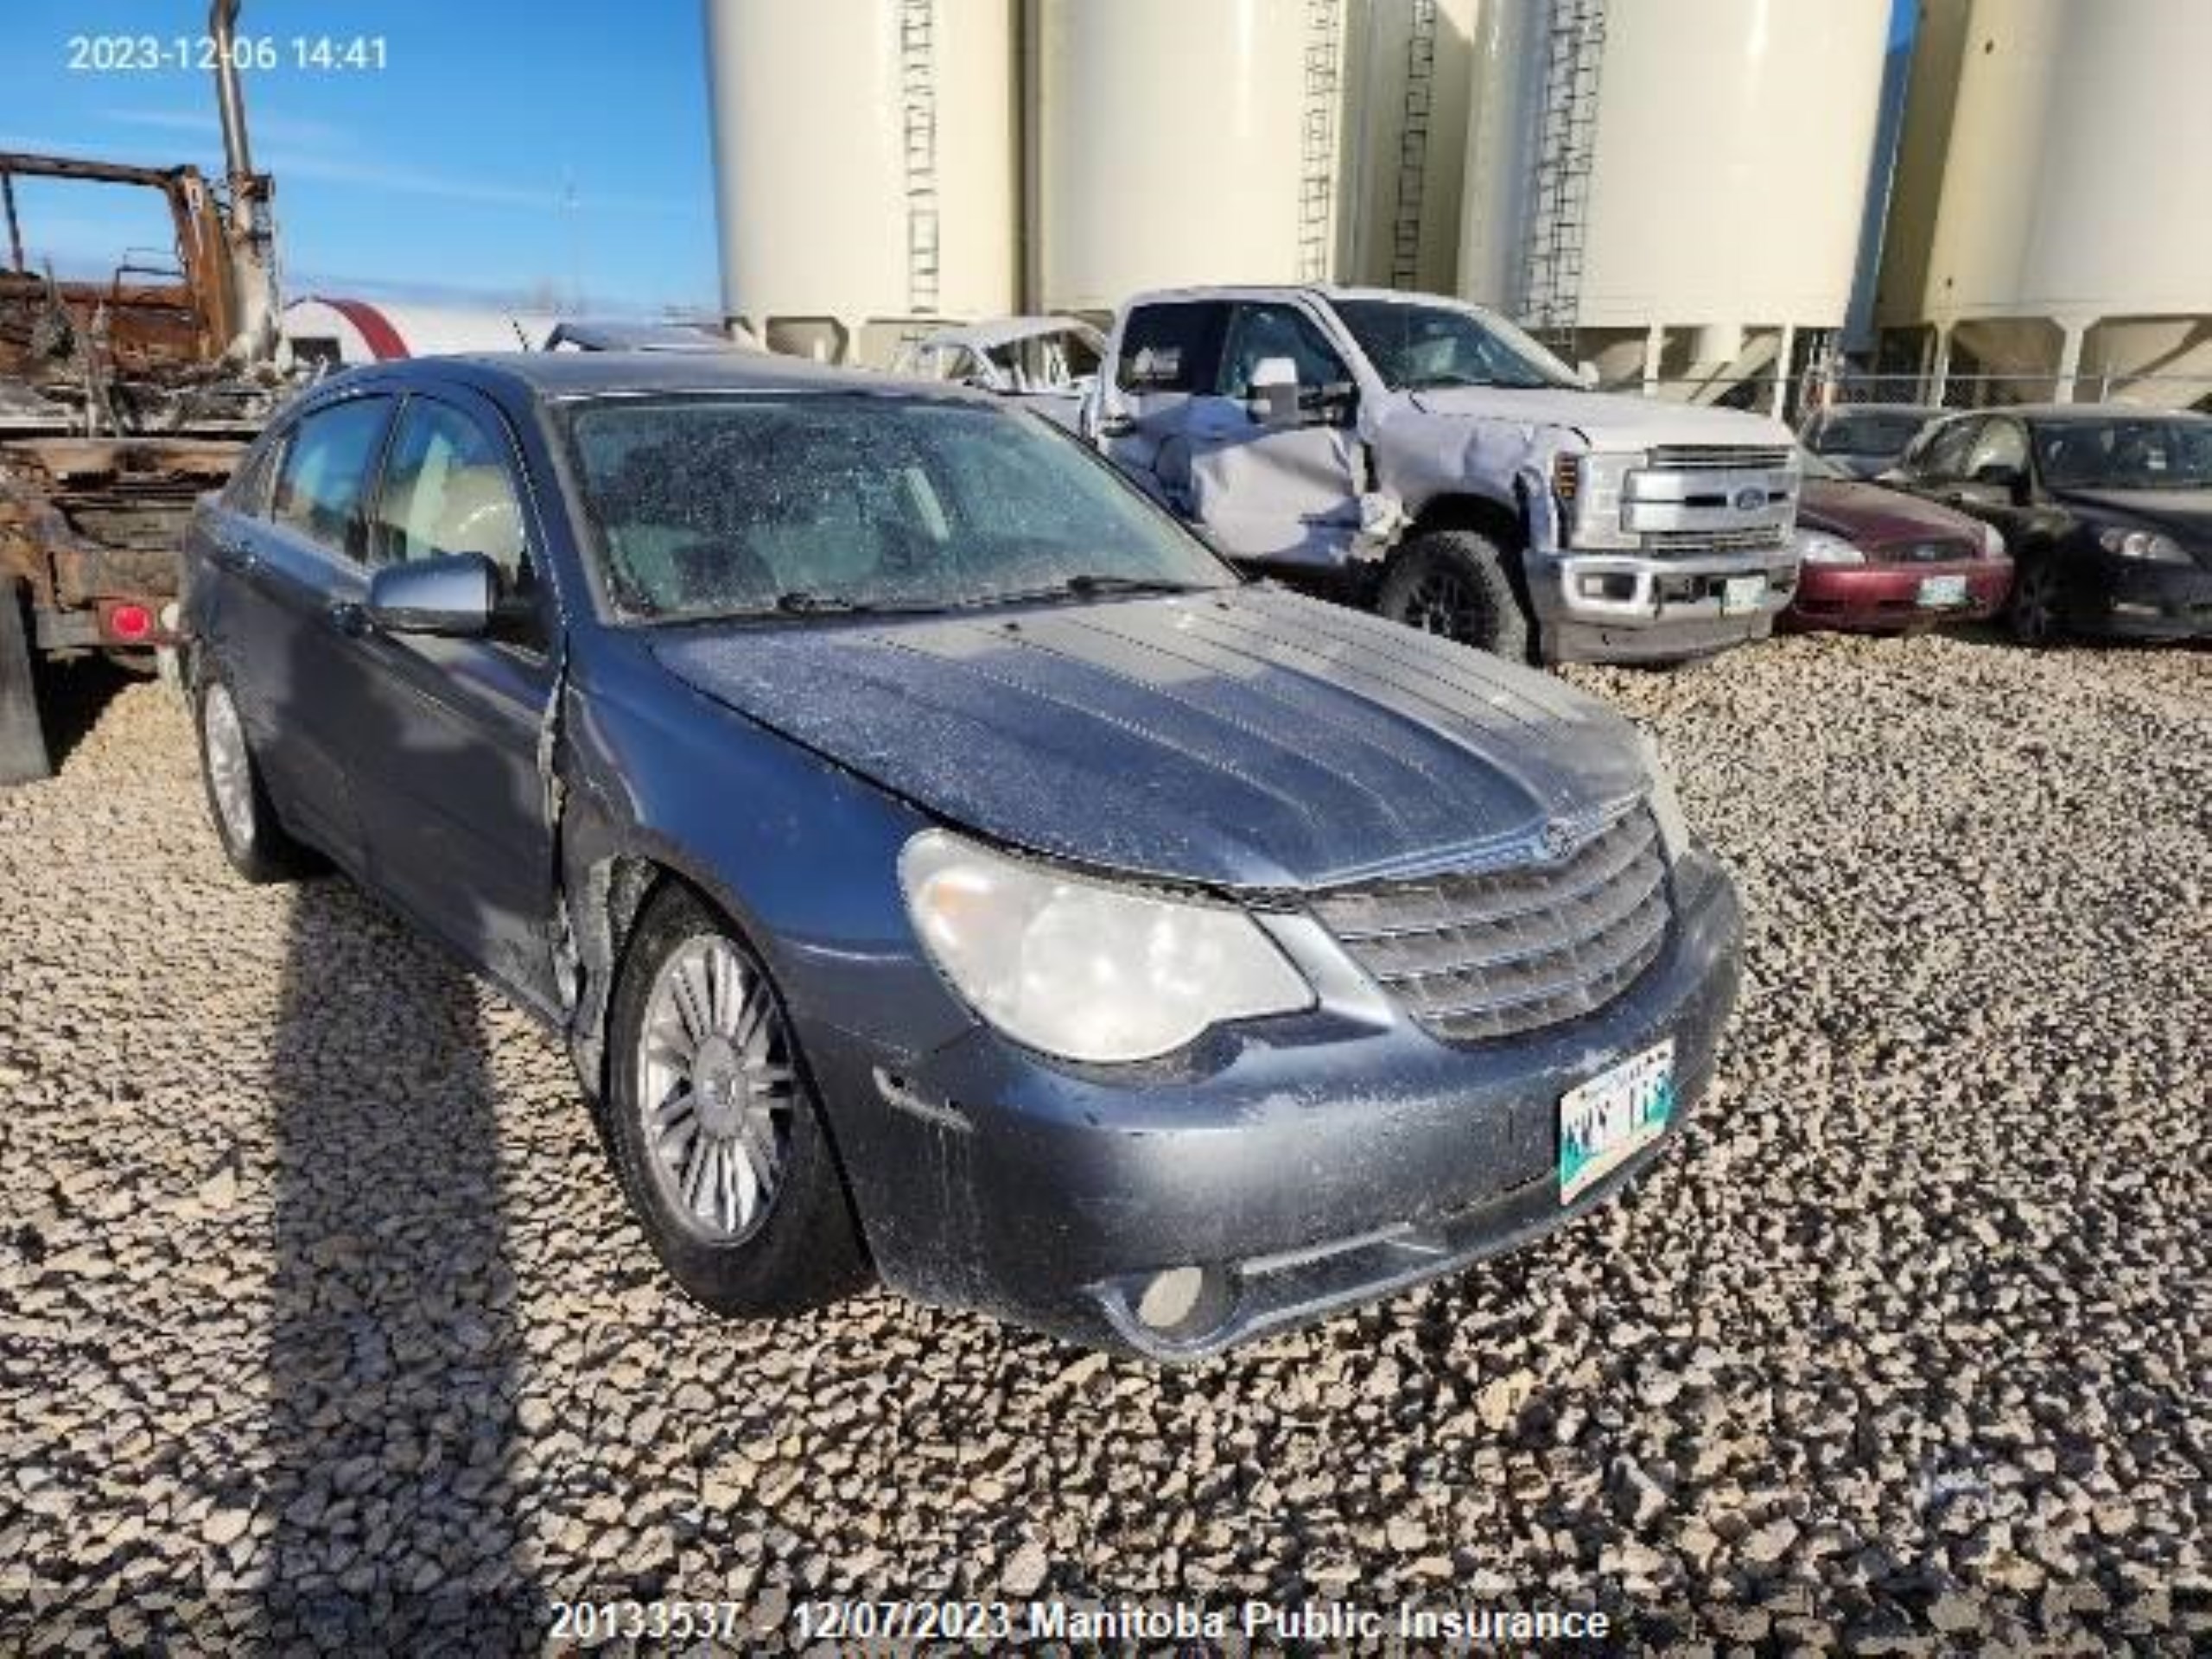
[326, 470]
[1172, 347]
[1943, 453]
[248, 491]
[2002, 443]
[447, 489]
[1259, 331]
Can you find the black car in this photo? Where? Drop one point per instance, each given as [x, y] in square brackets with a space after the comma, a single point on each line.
[936, 860]
[1865, 440]
[2107, 511]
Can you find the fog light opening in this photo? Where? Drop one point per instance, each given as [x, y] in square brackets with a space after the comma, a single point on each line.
[1183, 1303]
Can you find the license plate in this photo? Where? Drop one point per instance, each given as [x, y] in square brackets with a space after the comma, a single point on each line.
[1939, 592]
[1740, 594]
[1617, 1114]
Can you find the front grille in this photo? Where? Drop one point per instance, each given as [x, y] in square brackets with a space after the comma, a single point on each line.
[1711, 541]
[1715, 457]
[1927, 552]
[1477, 955]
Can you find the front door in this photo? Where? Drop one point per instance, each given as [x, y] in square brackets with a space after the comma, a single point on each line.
[446, 737]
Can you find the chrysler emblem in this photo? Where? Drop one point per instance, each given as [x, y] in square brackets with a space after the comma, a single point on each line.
[1749, 498]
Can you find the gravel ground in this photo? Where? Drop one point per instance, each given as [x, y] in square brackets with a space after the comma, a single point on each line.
[321, 1320]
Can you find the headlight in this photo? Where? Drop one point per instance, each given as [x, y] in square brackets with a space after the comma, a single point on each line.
[1666, 805]
[2151, 545]
[1993, 541]
[1082, 970]
[1591, 485]
[1818, 547]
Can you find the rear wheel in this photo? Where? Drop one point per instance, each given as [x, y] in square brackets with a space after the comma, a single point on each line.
[2033, 612]
[1455, 583]
[715, 1129]
[245, 822]
[24, 758]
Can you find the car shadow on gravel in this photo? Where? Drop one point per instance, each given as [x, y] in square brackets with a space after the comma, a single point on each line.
[393, 1357]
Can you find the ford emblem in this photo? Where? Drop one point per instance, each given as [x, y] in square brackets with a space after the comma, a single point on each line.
[1749, 498]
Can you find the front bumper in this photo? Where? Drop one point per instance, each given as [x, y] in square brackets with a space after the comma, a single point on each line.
[1629, 607]
[1305, 1164]
[2133, 600]
[1881, 596]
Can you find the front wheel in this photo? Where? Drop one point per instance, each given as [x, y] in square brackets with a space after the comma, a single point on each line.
[2033, 611]
[1455, 583]
[713, 1126]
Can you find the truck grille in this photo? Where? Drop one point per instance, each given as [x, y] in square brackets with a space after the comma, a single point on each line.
[1488, 954]
[1711, 541]
[1713, 457]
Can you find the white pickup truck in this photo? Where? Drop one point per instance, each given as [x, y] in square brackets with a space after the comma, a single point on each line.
[1428, 458]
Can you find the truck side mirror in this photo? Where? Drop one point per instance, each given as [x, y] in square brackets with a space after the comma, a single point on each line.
[1271, 397]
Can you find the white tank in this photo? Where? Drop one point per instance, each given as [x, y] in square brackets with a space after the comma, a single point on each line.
[2061, 217]
[1728, 146]
[1180, 140]
[1407, 65]
[864, 168]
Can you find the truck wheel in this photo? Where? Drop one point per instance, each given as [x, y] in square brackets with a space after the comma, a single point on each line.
[245, 822]
[714, 1128]
[1454, 582]
[2033, 612]
[23, 755]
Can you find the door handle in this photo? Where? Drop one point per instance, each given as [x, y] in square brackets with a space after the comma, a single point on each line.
[350, 619]
[1115, 426]
[233, 553]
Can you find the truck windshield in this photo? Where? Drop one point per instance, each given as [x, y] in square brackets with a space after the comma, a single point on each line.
[1415, 346]
[823, 503]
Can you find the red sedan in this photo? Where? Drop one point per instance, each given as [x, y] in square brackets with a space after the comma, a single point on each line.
[1877, 559]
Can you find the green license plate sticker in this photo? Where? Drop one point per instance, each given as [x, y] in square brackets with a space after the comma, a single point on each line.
[1607, 1120]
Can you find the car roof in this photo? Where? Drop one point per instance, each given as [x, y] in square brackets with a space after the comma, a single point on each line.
[2059, 414]
[556, 376]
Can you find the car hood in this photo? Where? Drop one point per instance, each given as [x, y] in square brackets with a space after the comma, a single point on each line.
[1245, 739]
[1871, 516]
[2184, 514]
[1608, 420]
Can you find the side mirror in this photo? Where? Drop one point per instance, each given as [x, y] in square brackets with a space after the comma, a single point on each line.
[453, 594]
[1999, 476]
[1272, 397]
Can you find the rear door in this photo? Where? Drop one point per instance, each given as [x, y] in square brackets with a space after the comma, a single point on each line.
[446, 735]
[288, 572]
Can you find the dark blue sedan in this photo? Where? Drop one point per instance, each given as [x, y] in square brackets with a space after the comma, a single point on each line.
[938, 864]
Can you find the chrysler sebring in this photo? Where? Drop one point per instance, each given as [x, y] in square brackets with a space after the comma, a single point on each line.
[938, 864]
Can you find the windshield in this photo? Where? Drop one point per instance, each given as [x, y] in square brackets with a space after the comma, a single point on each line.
[2150, 454]
[731, 505]
[1870, 432]
[1414, 346]
[1814, 464]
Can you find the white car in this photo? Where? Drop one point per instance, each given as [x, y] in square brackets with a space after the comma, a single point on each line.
[1052, 360]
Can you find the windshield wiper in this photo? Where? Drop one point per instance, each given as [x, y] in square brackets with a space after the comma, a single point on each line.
[1090, 583]
[804, 602]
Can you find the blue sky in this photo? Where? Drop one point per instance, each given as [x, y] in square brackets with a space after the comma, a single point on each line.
[448, 175]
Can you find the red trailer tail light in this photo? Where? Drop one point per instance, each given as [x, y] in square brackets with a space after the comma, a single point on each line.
[130, 623]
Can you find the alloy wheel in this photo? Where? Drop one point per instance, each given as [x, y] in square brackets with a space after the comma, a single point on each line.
[715, 1090]
[230, 767]
[1441, 603]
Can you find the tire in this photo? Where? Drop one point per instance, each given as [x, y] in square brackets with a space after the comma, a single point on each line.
[24, 757]
[1455, 583]
[696, 1017]
[2032, 612]
[252, 837]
